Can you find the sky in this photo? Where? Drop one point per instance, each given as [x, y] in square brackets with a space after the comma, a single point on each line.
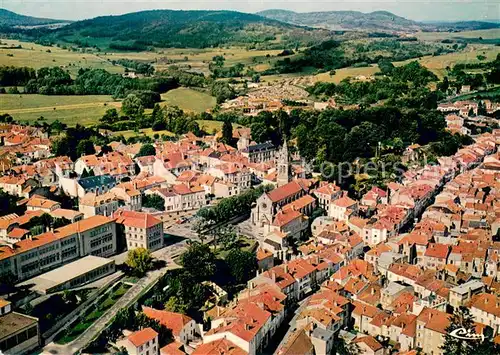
[420, 10]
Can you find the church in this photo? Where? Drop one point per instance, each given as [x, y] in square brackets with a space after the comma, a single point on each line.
[288, 191]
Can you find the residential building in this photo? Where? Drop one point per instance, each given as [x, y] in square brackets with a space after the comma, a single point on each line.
[142, 230]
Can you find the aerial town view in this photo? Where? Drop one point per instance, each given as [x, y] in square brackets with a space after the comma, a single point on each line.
[259, 177]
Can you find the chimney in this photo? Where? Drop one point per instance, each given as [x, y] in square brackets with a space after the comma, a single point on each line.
[373, 291]
[286, 268]
[273, 276]
[486, 300]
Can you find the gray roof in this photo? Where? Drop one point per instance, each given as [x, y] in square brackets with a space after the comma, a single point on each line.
[322, 334]
[393, 288]
[471, 285]
[94, 181]
[259, 147]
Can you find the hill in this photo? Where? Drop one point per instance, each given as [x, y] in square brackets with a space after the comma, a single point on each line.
[11, 19]
[346, 20]
[183, 29]
[373, 21]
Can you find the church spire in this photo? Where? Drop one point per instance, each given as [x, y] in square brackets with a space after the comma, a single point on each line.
[283, 165]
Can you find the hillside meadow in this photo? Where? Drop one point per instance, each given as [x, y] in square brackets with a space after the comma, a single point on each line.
[37, 56]
[68, 109]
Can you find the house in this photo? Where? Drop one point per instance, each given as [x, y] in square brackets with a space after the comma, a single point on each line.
[259, 153]
[326, 194]
[41, 203]
[462, 294]
[431, 329]
[183, 327]
[142, 230]
[342, 208]
[485, 308]
[92, 205]
[141, 342]
[436, 255]
[181, 197]
[368, 345]
[95, 184]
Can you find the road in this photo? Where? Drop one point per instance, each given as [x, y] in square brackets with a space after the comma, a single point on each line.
[293, 322]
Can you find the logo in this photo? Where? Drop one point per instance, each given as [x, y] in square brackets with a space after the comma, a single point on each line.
[464, 334]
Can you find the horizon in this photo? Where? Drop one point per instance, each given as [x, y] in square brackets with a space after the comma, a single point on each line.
[468, 10]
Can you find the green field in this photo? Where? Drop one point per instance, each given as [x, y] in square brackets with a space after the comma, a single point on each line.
[196, 59]
[38, 56]
[67, 109]
[188, 99]
[439, 36]
[147, 131]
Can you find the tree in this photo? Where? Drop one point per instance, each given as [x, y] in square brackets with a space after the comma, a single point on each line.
[242, 265]
[174, 304]
[110, 116]
[146, 150]
[133, 106]
[226, 237]
[227, 132]
[199, 261]
[140, 261]
[153, 201]
[461, 318]
[85, 147]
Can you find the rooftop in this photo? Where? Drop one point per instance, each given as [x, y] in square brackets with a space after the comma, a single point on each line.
[65, 273]
[13, 322]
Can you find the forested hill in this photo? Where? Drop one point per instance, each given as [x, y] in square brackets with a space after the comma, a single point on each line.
[194, 29]
[373, 21]
[9, 18]
[352, 20]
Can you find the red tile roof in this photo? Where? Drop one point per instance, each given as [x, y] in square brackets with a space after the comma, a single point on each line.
[136, 219]
[141, 337]
[436, 250]
[171, 320]
[285, 191]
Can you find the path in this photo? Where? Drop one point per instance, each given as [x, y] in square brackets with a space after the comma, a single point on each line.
[97, 327]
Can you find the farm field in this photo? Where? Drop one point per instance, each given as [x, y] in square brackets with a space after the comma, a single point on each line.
[439, 63]
[188, 100]
[37, 56]
[439, 36]
[67, 109]
[196, 59]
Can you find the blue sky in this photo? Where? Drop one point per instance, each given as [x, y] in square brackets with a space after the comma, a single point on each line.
[422, 10]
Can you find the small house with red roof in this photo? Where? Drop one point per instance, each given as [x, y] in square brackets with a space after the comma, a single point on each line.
[141, 342]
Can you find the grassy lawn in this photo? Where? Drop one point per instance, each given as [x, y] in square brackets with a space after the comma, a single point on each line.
[244, 244]
[188, 99]
[68, 109]
[93, 314]
[146, 131]
[37, 56]
[210, 126]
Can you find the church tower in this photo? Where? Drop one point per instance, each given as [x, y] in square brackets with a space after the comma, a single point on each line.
[283, 165]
